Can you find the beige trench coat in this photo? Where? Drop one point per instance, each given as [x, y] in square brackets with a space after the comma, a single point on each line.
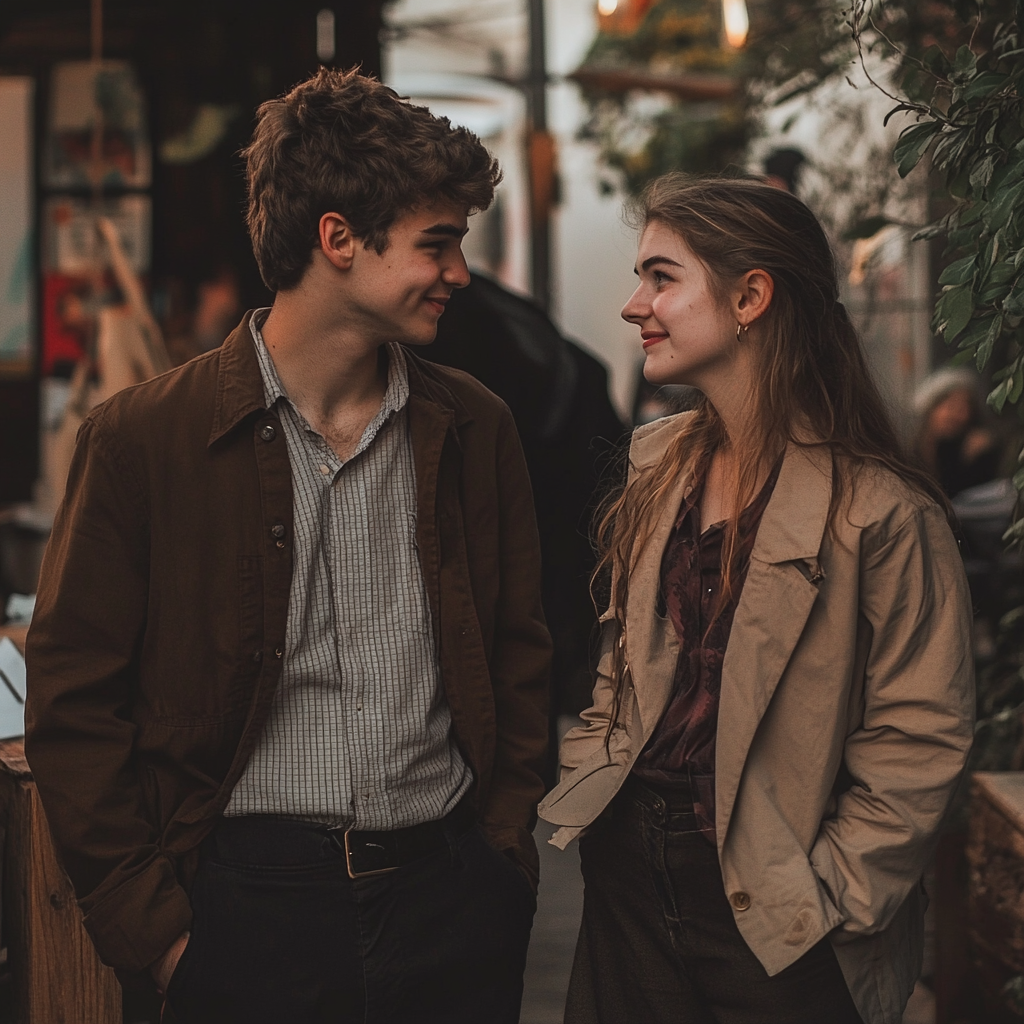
[850, 648]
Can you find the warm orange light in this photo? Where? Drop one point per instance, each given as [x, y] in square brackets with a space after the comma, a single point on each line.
[607, 7]
[734, 14]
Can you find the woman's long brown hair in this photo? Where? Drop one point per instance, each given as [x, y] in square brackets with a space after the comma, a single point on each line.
[814, 386]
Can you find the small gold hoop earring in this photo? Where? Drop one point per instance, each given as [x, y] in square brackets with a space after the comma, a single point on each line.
[741, 327]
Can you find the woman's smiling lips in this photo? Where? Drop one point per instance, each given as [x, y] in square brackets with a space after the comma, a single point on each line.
[652, 337]
[436, 303]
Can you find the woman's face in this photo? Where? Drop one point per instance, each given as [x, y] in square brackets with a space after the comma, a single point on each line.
[689, 337]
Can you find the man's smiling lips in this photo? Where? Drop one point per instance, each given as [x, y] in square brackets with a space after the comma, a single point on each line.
[437, 303]
[652, 337]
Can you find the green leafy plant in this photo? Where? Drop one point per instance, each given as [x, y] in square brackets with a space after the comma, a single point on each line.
[970, 118]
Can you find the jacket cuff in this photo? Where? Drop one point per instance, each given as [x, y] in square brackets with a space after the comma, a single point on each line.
[519, 844]
[137, 922]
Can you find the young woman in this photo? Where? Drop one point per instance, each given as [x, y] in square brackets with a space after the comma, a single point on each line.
[785, 695]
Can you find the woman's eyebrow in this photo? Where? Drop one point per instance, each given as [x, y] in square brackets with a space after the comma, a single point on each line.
[652, 260]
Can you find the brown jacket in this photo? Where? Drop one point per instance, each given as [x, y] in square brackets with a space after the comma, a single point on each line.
[156, 644]
[845, 720]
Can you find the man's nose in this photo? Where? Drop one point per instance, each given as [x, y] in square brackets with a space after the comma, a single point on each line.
[456, 274]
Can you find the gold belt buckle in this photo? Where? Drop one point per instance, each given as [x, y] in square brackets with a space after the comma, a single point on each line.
[361, 874]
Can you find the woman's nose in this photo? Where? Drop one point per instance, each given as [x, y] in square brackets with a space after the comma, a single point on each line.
[635, 310]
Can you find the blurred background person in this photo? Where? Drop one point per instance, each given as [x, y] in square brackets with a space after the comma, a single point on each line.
[953, 441]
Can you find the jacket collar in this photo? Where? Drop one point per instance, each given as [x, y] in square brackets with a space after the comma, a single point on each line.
[240, 389]
[794, 521]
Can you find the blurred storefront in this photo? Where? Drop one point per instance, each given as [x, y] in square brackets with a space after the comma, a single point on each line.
[174, 85]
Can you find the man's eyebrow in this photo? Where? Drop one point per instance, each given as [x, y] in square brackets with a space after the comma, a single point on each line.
[651, 261]
[452, 230]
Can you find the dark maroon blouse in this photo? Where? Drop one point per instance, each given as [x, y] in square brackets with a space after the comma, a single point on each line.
[681, 749]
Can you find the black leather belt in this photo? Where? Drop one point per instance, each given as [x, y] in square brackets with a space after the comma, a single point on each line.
[376, 853]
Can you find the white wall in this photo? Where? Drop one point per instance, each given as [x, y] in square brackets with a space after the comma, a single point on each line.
[593, 253]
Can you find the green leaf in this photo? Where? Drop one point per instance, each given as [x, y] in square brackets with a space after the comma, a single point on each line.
[997, 397]
[953, 311]
[985, 84]
[984, 351]
[1017, 387]
[912, 144]
[982, 171]
[1003, 204]
[959, 272]
[965, 60]
[997, 284]
[1013, 304]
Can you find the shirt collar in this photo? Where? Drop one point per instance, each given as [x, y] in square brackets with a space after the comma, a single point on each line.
[396, 394]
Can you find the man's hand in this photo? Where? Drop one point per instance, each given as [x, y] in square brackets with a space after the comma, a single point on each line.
[163, 968]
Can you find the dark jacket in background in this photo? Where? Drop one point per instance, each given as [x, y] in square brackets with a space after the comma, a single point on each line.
[558, 394]
[156, 645]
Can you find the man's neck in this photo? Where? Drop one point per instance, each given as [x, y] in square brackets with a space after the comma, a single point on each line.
[327, 366]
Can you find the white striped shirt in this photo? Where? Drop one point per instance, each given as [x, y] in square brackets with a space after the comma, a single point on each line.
[360, 731]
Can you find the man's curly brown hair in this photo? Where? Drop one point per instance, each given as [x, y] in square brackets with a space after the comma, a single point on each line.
[341, 142]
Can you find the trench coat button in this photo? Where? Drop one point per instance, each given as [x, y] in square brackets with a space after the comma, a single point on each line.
[267, 432]
[740, 901]
[277, 530]
[278, 652]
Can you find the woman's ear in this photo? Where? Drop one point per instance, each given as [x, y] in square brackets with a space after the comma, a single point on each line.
[752, 296]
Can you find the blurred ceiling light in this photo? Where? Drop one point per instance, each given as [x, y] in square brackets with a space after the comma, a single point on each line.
[734, 13]
[607, 7]
[325, 47]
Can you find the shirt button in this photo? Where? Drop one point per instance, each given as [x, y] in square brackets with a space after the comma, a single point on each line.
[709, 590]
[277, 530]
[267, 432]
[324, 469]
[740, 901]
[278, 652]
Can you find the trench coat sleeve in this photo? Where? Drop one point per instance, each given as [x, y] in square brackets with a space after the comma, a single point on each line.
[580, 743]
[82, 654]
[520, 663]
[910, 749]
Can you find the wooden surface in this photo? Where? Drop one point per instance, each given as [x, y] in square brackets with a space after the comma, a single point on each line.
[995, 858]
[56, 975]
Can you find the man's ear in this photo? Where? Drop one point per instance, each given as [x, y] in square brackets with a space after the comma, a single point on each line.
[337, 242]
[752, 296]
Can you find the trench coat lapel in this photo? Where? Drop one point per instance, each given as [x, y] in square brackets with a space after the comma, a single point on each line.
[780, 590]
[652, 646]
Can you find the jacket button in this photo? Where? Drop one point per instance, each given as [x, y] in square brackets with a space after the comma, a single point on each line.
[277, 530]
[278, 652]
[740, 901]
[267, 432]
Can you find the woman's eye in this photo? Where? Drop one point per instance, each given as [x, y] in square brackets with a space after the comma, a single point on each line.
[660, 277]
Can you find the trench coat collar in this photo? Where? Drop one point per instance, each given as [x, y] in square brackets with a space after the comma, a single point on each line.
[240, 385]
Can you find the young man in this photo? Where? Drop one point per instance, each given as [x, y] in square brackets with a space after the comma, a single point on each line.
[288, 666]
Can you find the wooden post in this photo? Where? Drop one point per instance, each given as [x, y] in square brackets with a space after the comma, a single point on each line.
[995, 857]
[56, 975]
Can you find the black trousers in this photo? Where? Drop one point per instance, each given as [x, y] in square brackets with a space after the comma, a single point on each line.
[282, 935]
[659, 943]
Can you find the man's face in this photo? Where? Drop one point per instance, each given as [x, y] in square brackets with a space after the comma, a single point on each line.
[401, 294]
